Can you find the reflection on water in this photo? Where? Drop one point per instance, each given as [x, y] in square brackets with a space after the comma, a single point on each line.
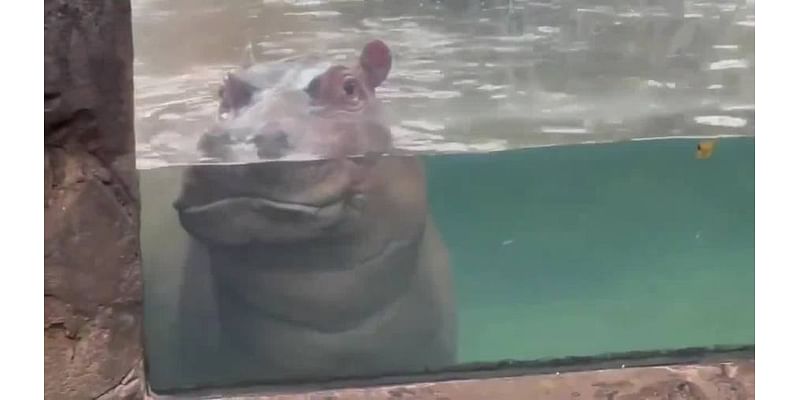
[469, 75]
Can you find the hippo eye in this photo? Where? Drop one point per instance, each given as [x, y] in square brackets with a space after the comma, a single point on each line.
[350, 87]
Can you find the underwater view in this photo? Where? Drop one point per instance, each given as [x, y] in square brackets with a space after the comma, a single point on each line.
[342, 190]
[564, 251]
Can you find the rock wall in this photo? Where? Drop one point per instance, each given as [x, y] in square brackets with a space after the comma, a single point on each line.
[92, 283]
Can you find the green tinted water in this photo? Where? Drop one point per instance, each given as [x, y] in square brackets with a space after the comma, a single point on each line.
[582, 250]
[559, 251]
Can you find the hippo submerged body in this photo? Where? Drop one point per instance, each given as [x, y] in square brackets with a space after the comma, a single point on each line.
[323, 267]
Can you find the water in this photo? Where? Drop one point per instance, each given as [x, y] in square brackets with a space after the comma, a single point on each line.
[612, 245]
[576, 250]
[592, 249]
[469, 75]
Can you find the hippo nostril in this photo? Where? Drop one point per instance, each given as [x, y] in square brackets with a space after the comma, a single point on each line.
[271, 145]
[215, 144]
[350, 87]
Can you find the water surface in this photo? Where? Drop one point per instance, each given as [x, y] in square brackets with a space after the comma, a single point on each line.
[469, 75]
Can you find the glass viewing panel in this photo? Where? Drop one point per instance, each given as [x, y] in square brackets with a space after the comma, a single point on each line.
[360, 189]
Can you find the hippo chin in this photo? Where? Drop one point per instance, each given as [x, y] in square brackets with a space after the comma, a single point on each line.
[314, 268]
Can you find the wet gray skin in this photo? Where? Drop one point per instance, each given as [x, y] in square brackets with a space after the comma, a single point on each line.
[324, 267]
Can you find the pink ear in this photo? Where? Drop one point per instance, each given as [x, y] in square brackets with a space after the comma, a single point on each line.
[376, 61]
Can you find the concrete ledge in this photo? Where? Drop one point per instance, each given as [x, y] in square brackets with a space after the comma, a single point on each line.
[693, 373]
[735, 380]
[709, 380]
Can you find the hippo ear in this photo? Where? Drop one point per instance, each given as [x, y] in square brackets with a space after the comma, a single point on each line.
[312, 89]
[234, 94]
[376, 61]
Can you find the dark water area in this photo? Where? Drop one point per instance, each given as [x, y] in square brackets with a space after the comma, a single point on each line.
[553, 252]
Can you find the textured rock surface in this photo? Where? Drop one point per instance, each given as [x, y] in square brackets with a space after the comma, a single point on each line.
[92, 277]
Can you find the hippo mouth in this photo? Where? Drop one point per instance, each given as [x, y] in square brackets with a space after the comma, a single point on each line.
[246, 219]
[392, 252]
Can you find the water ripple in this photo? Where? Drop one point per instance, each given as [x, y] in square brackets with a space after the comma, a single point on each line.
[468, 75]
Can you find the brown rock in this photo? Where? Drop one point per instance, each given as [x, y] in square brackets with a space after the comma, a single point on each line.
[92, 313]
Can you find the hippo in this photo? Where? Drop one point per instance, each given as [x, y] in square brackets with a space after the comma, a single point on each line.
[324, 266]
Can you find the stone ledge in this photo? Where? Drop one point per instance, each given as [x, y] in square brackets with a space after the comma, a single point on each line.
[734, 380]
[92, 284]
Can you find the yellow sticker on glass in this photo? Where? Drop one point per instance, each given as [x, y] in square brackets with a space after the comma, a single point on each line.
[705, 149]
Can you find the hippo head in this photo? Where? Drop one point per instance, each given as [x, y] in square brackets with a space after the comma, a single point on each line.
[277, 110]
[334, 117]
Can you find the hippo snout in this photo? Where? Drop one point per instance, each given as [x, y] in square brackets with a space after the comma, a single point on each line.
[273, 144]
[274, 201]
